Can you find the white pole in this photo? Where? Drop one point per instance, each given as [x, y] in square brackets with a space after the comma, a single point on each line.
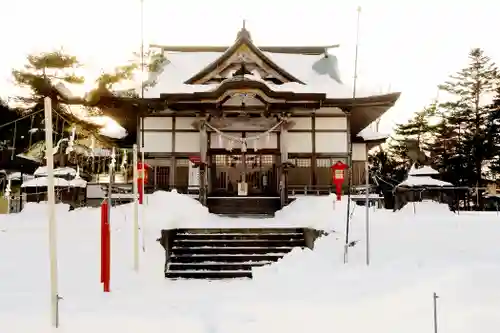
[367, 212]
[143, 206]
[7, 194]
[54, 297]
[136, 211]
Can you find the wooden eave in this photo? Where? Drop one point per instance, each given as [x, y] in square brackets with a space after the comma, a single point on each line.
[364, 110]
[243, 40]
[305, 50]
[243, 85]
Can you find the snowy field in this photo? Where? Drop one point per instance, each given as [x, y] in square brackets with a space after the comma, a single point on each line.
[415, 252]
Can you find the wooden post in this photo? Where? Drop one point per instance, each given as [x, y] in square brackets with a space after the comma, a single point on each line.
[203, 161]
[284, 160]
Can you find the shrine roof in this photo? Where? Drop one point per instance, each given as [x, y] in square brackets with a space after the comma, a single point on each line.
[300, 69]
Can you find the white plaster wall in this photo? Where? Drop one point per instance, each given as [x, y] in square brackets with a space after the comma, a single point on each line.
[184, 122]
[301, 123]
[187, 142]
[299, 142]
[331, 142]
[157, 123]
[359, 152]
[264, 142]
[336, 123]
[157, 142]
[215, 143]
[329, 110]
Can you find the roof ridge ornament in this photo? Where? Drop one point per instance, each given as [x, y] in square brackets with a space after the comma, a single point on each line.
[244, 33]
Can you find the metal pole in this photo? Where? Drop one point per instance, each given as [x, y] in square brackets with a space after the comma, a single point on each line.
[349, 157]
[136, 211]
[54, 297]
[367, 213]
[434, 299]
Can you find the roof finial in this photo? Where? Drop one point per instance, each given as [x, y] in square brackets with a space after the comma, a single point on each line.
[244, 33]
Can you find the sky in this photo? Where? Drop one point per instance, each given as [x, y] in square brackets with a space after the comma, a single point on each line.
[409, 46]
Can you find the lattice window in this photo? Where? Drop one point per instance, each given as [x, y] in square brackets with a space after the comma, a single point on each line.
[267, 159]
[303, 162]
[324, 162]
[182, 162]
[220, 160]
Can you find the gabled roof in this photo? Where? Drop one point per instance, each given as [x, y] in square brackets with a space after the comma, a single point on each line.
[243, 43]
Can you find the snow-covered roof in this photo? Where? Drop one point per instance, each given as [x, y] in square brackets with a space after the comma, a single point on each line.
[319, 73]
[369, 134]
[42, 171]
[42, 182]
[17, 176]
[416, 181]
[422, 171]
[78, 182]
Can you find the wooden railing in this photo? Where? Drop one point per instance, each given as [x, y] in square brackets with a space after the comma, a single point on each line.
[294, 190]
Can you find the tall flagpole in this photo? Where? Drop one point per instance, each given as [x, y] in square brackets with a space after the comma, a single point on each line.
[349, 158]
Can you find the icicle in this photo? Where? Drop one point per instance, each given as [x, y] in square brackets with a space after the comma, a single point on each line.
[255, 144]
[77, 172]
[229, 145]
[243, 146]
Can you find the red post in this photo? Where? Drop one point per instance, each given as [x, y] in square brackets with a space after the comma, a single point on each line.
[105, 246]
[139, 189]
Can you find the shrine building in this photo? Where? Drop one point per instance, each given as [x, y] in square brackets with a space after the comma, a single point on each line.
[251, 121]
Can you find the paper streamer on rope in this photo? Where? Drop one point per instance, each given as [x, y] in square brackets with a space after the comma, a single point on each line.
[244, 141]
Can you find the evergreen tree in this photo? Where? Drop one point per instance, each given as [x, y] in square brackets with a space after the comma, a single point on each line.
[44, 70]
[493, 135]
[417, 129]
[467, 117]
[39, 79]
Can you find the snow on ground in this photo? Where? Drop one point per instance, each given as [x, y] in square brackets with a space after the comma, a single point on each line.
[422, 249]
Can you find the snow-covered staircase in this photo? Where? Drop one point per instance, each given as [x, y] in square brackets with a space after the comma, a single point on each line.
[227, 253]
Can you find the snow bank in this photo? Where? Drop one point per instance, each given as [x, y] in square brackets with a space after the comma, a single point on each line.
[170, 210]
[322, 213]
[412, 256]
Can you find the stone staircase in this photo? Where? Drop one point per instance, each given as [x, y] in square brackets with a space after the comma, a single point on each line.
[227, 253]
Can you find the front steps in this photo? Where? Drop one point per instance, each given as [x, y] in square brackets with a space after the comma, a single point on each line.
[248, 206]
[227, 253]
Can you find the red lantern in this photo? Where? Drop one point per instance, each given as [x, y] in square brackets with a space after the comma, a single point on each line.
[338, 176]
[142, 176]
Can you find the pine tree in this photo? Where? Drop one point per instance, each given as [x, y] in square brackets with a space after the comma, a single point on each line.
[44, 70]
[116, 81]
[467, 116]
[38, 78]
[417, 128]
